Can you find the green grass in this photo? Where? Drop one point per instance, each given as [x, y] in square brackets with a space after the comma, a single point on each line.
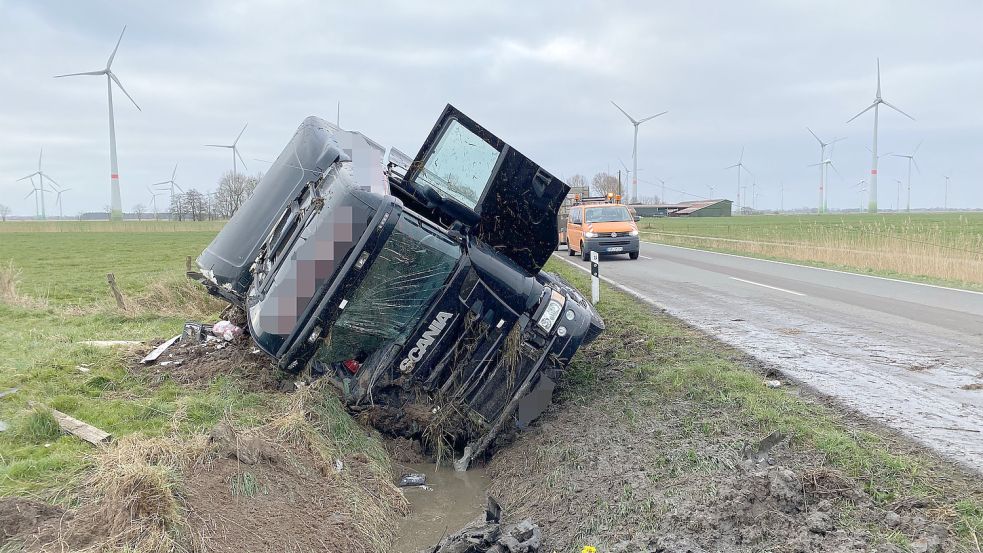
[939, 248]
[671, 360]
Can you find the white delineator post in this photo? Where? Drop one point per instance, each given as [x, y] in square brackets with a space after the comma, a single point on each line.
[595, 279]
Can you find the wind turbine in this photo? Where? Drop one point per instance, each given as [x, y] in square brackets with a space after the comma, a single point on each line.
[172, 184]
[61, 215]
[235, 151]
[878, 100]
[34, 191]
[634, 149]
[663, 181]
[945, 204]
[710, 186]
[822, 168]
[740, 165]
[897, 202]
[41, 176]
[116, 202]
[153, 199]
[911, 159]
[861, 187]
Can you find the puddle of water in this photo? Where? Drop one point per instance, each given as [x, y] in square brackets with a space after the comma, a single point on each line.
[456, 498]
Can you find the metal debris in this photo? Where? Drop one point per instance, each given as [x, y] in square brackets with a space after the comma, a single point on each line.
[773, 383]
[412, 479]
[153, 355]
[6, 393]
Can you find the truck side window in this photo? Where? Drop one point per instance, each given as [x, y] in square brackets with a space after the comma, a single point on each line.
[575, 216]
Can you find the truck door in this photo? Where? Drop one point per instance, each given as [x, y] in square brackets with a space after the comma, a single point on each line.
[472, 177]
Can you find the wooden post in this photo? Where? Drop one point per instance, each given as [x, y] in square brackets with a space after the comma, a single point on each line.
[187, 264]
[111, 279]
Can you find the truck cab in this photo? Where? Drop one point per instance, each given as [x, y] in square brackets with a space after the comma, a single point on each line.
[429, 299]
[603, 225]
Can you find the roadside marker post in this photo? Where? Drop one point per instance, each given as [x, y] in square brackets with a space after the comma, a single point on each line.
[595, 279]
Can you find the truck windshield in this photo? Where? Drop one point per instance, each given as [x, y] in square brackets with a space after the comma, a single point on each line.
[609, 214]
[411, 268]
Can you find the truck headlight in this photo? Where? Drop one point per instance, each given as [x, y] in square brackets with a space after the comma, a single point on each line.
[552, 312]
[590, 234]
[633, 233]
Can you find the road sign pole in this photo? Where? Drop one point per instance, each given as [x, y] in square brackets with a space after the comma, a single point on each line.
[595, 279]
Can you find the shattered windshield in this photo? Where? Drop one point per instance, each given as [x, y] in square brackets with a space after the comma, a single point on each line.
[460, 165]
[612, 214]
[413, 265]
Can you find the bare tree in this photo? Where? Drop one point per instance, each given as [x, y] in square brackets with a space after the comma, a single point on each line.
[233, 192]
[193, 205]
[578, 184]
[4, 212]
[139, 209]
[604, 183]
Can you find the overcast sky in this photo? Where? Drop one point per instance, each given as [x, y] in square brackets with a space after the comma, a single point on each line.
[732, 74]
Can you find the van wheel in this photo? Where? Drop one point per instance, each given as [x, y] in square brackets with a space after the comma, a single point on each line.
[633, 255]
[570, 250]
[584, 254]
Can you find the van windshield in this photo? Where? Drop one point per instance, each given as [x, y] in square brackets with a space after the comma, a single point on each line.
[398, 287]
[608, 214]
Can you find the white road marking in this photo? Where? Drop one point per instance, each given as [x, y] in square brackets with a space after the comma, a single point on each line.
[619, 286]
[645, 257]
[819, 268]
[766, 286]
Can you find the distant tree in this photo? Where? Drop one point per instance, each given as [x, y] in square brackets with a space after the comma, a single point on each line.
[194, 205]
[233, 192]
[603, 183]
[4, 212]
[577, 183]
[139, 209]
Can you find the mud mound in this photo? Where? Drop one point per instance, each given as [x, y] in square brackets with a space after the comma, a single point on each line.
[630, 475]
[27, 521]
[198, 364]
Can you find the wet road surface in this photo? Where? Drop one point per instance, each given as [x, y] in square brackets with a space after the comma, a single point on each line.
[908, 355]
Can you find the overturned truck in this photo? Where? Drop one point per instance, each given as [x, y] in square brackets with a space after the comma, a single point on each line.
[428, 298]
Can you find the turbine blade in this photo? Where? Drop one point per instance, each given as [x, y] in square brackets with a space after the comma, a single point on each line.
[897, 109]
[732, 166]
[748, 170]
[174, 172]
[218, 145]
[120, 85]
[652, 116]
[816, 137]
[176, 185]
[236, 150]
[113, 55]
[862, 112]
[33, 190]
[815, 164]
[741, 159]
[630, 118]
[28, 176]
[100, 72]
[878, 78]
[835, 169]
[919, 169]
[236, 141]
[160, 183]
[50, 180]
[918, 146]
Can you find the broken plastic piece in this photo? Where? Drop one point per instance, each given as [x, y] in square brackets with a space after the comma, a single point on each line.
[153, 355]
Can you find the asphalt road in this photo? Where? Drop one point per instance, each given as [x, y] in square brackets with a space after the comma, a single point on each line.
[905, 354]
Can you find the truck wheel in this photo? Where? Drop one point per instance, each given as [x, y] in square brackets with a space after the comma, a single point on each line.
[570, 250]
[584, 254]
[633, 255]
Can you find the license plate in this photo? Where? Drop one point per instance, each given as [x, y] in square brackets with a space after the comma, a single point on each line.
[615, 249]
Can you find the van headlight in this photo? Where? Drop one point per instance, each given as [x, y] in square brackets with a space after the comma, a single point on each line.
[590, 234]
[633, 233]
[552, 312]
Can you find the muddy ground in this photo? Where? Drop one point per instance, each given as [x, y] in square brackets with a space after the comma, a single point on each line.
[625, 467]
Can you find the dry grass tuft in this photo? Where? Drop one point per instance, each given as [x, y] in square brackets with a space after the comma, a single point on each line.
[135, 486]
[176, 296]
[10, 280]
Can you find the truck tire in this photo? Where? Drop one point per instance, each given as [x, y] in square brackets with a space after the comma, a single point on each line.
[633, 255]
[570, 250]
[584, 254]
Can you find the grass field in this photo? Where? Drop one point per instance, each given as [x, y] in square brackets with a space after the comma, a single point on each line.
[53, 295]
[944, 248]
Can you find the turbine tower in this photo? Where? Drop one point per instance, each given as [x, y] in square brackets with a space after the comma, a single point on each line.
[40, 188]
[153, 200]
[235, 151]
[822, 168]
[945, 203]
[911, 159]
[634, 149]
[878, 100]
[739, 165]
[116, 203]
[173, 185]
[61, 215]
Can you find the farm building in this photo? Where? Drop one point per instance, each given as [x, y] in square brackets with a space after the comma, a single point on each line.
[699, 208]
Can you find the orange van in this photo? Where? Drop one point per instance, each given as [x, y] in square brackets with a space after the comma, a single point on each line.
[605, 228]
